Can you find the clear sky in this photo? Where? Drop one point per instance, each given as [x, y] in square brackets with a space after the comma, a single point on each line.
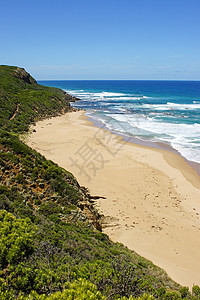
[102, 39]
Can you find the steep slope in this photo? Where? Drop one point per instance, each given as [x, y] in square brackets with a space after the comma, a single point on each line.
[23, 101]
[51, 246]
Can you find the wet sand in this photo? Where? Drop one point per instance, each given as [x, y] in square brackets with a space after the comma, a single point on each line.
[152, 195]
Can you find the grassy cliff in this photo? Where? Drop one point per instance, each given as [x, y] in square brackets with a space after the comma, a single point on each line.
[51, 244]
[23, 101]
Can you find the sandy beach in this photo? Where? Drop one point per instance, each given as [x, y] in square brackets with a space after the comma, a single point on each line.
[151, 196]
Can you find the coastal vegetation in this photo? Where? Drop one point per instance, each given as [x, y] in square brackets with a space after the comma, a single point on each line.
[51, 244]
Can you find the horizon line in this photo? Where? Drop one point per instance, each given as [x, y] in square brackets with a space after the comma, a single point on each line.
[197, 80]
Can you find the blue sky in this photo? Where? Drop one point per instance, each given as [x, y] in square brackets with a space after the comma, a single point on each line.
[102, 39]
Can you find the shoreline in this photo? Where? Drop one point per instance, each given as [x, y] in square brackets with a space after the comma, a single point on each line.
[145, 143]
[152, 195]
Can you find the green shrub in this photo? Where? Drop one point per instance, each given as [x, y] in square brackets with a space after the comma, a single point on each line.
[196, 291]
[16, 241]
[80, 289]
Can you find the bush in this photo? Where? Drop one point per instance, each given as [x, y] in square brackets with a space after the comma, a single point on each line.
[196, 291]
[16, 239]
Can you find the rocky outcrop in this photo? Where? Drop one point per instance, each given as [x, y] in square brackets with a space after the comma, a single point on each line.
[71, 98]
[25, 76]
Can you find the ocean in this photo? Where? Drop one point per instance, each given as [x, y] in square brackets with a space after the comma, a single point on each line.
[152, 111]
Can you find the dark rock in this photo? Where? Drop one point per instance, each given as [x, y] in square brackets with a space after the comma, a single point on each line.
[23, 75]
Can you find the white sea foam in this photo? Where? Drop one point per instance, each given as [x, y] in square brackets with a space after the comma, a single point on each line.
[183, 137]
[74, 91]
[183, 106]
[109, 95]
[130, 98]
[171, 106]
[106, 94]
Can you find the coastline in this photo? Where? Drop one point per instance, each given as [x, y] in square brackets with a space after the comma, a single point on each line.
[155, 145]
[151, 195]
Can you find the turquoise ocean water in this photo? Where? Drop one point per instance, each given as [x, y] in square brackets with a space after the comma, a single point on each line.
[155, 111]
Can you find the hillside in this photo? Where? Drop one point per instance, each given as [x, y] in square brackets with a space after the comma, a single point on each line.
[23, 101]
[51, 243]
